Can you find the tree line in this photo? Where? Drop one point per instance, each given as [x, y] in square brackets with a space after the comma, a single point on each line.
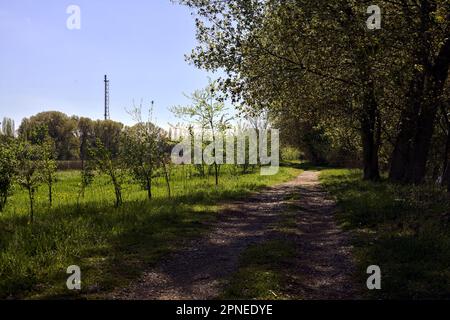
[142, 151]
[339, 90]
[106, 147]
[71, 134]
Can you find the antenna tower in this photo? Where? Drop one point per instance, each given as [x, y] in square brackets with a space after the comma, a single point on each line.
[106, 98]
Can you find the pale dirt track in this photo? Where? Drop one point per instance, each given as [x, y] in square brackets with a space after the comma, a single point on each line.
[322, 269]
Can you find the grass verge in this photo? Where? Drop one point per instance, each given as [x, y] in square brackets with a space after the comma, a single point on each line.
[403, 229]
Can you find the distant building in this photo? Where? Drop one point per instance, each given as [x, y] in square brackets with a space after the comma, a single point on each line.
[8, 127]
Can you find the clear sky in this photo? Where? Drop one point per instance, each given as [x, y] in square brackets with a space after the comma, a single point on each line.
[139, 44]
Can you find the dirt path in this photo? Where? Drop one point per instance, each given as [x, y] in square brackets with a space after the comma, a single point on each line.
[322, 268]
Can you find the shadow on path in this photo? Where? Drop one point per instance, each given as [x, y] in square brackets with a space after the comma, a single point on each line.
[322, 268]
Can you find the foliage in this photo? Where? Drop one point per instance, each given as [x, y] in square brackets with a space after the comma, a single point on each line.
[87, 177]
[108, 132]
[103, 161]
[145, 150]
[8, 167]
[49, 166]
[86, 136]
[317, 68]
[57, 126]
[30, 174]
[209, 113]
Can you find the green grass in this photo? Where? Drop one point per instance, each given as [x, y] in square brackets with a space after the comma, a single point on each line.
[260, 275]
[112, 246]
[403, 229]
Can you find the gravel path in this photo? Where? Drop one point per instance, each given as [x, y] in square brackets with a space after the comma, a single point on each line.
[323, 265]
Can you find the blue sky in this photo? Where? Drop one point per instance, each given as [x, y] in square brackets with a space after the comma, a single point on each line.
[139, 44]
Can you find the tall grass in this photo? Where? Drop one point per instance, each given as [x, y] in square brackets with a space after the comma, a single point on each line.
[403, 229]
[111, 245]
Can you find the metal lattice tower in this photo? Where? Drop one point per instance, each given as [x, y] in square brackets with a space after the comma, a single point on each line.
[106, 98]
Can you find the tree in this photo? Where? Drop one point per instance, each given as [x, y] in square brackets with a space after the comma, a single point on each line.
[208, 112]
[275, 57]
[242, 129]
[86, 136]
[109, 133]
[60, 127]
[87, 177]
[8, 167]
[316, 60]
[29, 168]
[104, 162]
[429, 29]
[49, 166]
[144, 150]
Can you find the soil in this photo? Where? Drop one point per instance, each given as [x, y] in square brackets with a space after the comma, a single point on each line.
[322, 269]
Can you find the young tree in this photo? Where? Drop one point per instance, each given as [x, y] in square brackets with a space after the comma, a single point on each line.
[144, 149]
[29, 168]
[208, 112]
[85, 129]
[164, 151]
[199, 166]
[87, 176]
[49, 166]
[8, 168]
[103, 161]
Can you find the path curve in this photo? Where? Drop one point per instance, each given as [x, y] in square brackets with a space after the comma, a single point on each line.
[200, 270]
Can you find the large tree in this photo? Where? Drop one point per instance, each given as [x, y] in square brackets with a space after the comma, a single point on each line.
[317, 60]
[429, 29]
[58, 126]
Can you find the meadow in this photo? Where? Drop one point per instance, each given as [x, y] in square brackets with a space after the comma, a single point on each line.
[403, 229]
[111, 245]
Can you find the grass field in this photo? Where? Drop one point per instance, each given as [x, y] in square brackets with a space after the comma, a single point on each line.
[403, 229]
[111, 246]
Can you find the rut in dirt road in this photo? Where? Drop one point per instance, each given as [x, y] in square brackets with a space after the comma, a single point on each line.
[199, 271]
[323, 268]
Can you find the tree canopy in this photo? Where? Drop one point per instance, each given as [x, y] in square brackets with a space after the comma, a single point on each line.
[329, 79]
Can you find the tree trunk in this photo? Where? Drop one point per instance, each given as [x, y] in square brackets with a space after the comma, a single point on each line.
[216, 169]
[448, 178]
[370, 134]
[445, 162]
[401, 156]
[3, 199]
[422, 142]
[412, 147]
[31, 197]
[149, 187]
[50, 194]
[117, 190]
[118, 196]
[166, 175]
